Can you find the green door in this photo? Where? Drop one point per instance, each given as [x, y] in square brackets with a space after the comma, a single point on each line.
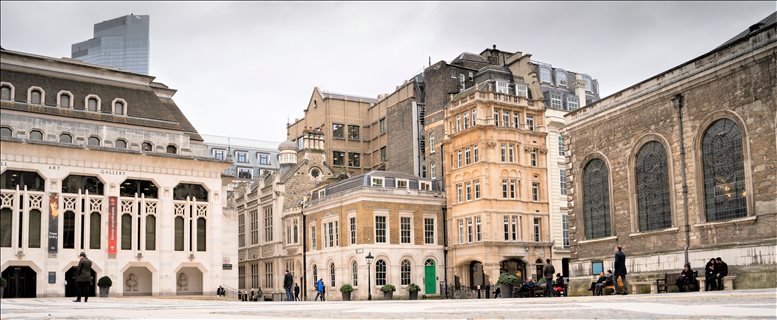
[430, 277]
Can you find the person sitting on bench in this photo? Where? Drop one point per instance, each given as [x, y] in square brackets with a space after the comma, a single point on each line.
[686, 278]
[607, 282]
[597, 279]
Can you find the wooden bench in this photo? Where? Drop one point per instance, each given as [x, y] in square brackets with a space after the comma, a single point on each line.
[670, 279]
[612, 286]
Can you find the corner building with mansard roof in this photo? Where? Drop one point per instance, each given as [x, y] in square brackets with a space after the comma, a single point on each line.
[103, 161]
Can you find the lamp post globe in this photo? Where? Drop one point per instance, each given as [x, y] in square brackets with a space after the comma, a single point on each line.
[369, 258]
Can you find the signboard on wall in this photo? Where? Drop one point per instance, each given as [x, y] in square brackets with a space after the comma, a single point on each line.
[112, 207]
[53, 222]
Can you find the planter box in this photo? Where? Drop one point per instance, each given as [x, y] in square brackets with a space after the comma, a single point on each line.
[346, 296]
[388, 295]
[104, 292]
[506, 290]
[413, 295]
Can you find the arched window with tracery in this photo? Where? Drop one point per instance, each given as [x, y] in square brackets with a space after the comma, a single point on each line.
[380, 272]
[654, 207]
[405, 272]
[596, 199]
[724, 171]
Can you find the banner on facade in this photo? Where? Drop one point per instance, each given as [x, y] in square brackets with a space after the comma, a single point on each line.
[112, 225]
[53, 222]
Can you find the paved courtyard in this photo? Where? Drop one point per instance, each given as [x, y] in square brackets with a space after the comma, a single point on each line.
[756, 304]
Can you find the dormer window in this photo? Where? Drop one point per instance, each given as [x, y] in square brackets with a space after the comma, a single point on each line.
[561, 78]
[36, 96]
[424, 185]
[521, 90]
[119, 107]
[64, 99]
[36, 135]
[377, 182]
[545, 75]
[6, 92]
[172, 149]
[147, 147]
[502, 87]
[588, 84]
[65, 138]
[92, 103]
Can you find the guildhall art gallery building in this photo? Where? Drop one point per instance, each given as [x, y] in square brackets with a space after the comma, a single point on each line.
[102, 161]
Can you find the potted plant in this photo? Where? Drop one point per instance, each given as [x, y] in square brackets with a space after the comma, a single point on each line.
[105, 284]
[505, 283]
[413, 289]
[346, 290]
[388, 291]
[2, 286]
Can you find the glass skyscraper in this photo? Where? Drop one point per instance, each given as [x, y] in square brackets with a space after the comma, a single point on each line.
[120, 43]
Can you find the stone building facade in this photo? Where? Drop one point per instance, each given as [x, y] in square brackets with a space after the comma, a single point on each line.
[395, 217]
[102, 161]
[270, 223]
[687, 155]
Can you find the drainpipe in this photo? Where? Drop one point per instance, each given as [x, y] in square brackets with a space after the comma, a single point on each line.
[445, 221]
[304, 254]
[678, 101]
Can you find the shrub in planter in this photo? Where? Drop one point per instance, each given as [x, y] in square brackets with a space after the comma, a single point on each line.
[105, 284]
[388, 291]
[505, 283]
[346, 290]
[413, 289]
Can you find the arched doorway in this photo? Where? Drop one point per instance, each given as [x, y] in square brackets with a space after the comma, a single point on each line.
[188, 281]
[21, 282]
[515, 267]
[137, 282]
[430, 277]
[476, 275]
[70, 285]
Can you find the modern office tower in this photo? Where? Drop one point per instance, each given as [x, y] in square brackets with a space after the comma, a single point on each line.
[120, 43]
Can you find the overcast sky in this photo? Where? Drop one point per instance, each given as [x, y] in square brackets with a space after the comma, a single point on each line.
[243, 68]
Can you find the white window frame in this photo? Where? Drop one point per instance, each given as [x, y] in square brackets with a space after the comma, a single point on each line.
[468, 190]
[321, 193]
[458, 158]
[475, 154]
[462, 82]
[434, 229]
[467, 156]
[478, 229]
[10, 86]
[559, 81]
[459, 193]
[424, 185]
[313, 236]
[562, 175]
[433, 168]
[375, 228]
[533, 158]
[237, 156]
[470, 230]
[572, 103]
[530, 122]
[99, 107]
[59, 98]
[555, 101]
[431, 143]
[381, 182]
[522, 90]
[222, 152]
[42, 95]
[113, 106]
[244, 169]
[461, 230]
[352, 229]
[476, 186]
[502, 87]
[549, 79]
[537, 234]
[405, 181]
[535, 191]
[410, 235]
[564, 231]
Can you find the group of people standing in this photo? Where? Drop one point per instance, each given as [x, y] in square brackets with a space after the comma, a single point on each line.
[288, 281]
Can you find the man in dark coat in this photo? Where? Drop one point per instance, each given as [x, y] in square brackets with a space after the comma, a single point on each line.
[548, 272]
[721, 270]
[288, 281]
[83, 277]
[620, 269]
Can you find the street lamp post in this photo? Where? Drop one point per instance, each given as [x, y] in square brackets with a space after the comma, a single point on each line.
[679, 102]
[369, 258]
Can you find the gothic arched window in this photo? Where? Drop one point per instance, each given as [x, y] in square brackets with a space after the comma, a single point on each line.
[653, 203]
[724, 171]
[596, 200]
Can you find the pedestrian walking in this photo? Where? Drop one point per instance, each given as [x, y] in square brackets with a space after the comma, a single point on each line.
[320, 290]
[83, 277]
[548, 272]
[296, 292]
[620, 269]
[288, 280]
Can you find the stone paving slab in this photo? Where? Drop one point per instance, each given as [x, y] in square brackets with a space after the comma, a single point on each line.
[741, 304]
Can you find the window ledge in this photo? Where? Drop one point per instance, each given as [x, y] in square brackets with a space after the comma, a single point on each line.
[750, 219]
[650, 233]
[598, 240]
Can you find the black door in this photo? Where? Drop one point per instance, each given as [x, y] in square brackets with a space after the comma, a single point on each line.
[21, 282]
[70, 286]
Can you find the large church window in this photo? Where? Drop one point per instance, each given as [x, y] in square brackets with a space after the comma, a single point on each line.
[34, 228]
[724, 172]
[184, 190]
[131, 188]
[596, 200]
[94, 230]
[74, 183]
[201, 234]
[126, 232]
[12, 178]
[150, 233]
[653, 202]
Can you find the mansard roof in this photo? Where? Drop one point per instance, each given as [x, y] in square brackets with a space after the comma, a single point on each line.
[148, 104]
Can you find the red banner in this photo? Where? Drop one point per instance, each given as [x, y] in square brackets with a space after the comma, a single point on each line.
[112, 225]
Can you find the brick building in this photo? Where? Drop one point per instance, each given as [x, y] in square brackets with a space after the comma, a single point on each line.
[686, 157]
[395, 217]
